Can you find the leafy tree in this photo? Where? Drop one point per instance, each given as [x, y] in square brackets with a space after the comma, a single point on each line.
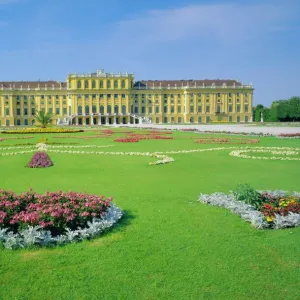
[43, 118]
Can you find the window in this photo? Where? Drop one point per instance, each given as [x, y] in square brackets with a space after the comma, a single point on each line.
[219, 94]
[191, 109]
[165, 109]
[79, 84]
[218, 108]
[64, 97]
[172, 119]
[199, 119]
[116, 110]
[25, 111]
[87, 110]
[86, 96]
[150, 110]
[179, 109]
[207, 119]
[18, 97]
[229, 94]
[165, 96]
[64, 111]
[230, 119]
[136, 110]
[57, 111]
[79, 110]
[157, 120]
[93, 84]
[229, 108]
[94, 109]
[238, 108]
[123, 84]
[237, 94]
[18, 112]
[101, 84]
[165, 119]
[123, 95]
[50, 111]
[123, 109]
[143, 95]
[42, 97]
[109, 109]
[246, 119]
[108, 84]
[94, 96]
[49, 97]
[108, 96]
[86, 84]
[25, 97]
[116, 96]
[179, 120]
[101, 96]
[172, 109]
[18, 122]
[116, 85]
[32, 111]
[101, 109]
[199, 109]
[157, 110]
[143, 109]
[238, 119]
[246, 108]
[56, 97]
[207, 109]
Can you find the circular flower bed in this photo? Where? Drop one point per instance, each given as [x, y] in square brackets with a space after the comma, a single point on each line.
[226, 141]
[40, 160]
[53, 218]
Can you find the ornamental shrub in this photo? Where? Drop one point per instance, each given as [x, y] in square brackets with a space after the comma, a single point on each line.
[244, 192]
[42, 130]
[40, 160]
[53, 211]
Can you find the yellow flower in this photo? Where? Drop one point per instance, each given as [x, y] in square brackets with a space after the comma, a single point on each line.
[270, 219]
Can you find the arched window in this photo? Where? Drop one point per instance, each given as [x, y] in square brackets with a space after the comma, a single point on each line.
[116, 109]
[93, 84]
[87, 109]
[101, 109]
[108, 84]
[123, 109]
[70, 84]
[109, 109]
[79, 84]
[79, 110]
[123, 84]
[94, 109]
[116, 85]
[101, 84]
[86, 84]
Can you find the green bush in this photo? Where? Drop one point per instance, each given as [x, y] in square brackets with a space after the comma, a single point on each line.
[244, 192]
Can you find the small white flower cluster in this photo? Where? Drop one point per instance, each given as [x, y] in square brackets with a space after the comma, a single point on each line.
[81, 146]
[41, 147]
[285, 151]
[249, 213]
[37, 236]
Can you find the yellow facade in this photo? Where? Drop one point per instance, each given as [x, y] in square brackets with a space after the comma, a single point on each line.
[105, 98]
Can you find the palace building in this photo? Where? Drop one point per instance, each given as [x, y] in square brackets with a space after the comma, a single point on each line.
[104, 98]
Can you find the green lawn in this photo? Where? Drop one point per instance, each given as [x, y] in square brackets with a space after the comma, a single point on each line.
[168, 246]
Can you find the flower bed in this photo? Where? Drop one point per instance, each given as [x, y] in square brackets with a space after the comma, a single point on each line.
[127, 140]
[40, 160]
[82, 137]
[16, 138]
[149, 136]
[272, 209]
[42, 130]
[289, 135]
[53, 218]
[226, 141]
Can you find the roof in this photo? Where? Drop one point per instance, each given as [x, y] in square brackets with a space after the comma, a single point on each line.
[32, 84]
[190, 82]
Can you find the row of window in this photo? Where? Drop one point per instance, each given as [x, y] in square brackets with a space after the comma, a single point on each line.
[99, 84]
[32, 97]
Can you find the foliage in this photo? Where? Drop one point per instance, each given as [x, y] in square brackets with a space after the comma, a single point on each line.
[40, 160]
[53, 211]
[244, 192]
[43, 118]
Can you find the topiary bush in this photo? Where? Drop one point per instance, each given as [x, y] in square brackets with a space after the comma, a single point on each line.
[40, 160]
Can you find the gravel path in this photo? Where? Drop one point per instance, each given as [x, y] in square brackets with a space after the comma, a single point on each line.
[231, 127]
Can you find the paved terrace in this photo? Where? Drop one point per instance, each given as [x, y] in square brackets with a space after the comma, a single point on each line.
[226, 127]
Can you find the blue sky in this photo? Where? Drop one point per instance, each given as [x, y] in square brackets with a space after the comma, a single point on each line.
[253, 41]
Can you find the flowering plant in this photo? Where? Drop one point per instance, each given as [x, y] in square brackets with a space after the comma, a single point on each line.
[40, 160]
[54, 211]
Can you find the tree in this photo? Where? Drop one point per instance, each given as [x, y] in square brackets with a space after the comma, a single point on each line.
[43, 118]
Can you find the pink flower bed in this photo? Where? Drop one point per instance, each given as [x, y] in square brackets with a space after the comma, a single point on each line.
[40, 160]
[54, 211]
[127, 140]
[289, 134]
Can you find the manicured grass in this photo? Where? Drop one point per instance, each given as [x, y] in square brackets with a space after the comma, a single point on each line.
[169, 246]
